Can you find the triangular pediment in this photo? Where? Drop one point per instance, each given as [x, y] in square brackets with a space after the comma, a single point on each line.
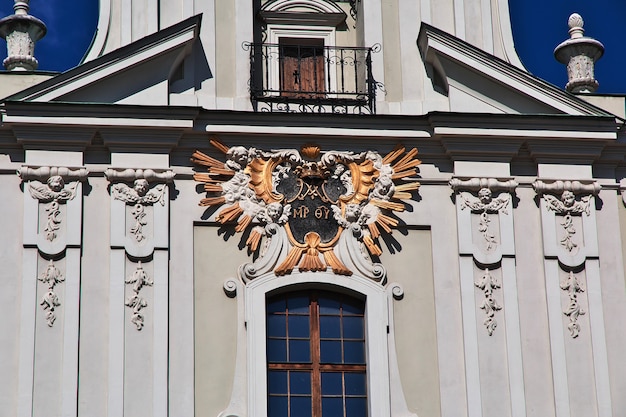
[476, 81]
[139, 73]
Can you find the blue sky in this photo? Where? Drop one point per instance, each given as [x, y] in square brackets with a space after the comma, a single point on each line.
[538, 27]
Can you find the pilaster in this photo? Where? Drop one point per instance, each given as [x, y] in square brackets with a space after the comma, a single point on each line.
[573, 288]
[139, 285]
[489, 298]
[50, 300]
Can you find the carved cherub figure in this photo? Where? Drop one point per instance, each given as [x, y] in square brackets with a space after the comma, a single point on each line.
[56, 183]
[275, 213]
[140, 192]
[485, 202]
[54, 190]
[141, 187]
[567, 204]
[484, 195]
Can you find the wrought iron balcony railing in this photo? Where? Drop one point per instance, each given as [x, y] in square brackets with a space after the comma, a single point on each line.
[310, 77]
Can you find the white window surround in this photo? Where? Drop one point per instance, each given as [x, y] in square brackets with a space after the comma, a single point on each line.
[376, 318]
[276, 32]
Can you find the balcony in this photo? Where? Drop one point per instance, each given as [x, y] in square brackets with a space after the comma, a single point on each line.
[304, 76]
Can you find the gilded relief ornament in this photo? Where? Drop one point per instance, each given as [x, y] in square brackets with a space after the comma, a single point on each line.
[313, 195]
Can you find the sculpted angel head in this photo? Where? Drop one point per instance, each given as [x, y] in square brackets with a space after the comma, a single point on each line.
[568, 198]
[56, 183]
[141, 187]
[484, 195]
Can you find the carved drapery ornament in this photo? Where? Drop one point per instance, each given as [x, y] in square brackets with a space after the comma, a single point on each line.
[310, 198]
[477, 196]
[51, 276]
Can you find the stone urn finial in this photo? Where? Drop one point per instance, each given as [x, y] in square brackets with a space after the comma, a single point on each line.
[21, 31]
[579, 53]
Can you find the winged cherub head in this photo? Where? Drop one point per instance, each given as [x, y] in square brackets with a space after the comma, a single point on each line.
[56, 183]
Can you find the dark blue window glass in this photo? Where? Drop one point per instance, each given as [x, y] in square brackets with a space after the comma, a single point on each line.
[276, 350]
[333, 407]
[299, 351]
[330, 327]
[332, 383]
[300, 382]
[354, 352]
[277, 382]
[277, 406]
[300, 406]
[355, 384]
[316, 355]
[276, 326]
[330, 351]
[353, 327]
[299, 326]
[356, 407]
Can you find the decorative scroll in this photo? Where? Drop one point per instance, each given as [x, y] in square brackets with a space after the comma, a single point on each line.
[50, 300]
[139, 279]
[488, 283]
[572, 285]
[54, 193]
[314, 196]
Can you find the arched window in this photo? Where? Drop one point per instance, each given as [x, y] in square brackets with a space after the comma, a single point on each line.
[316, 355]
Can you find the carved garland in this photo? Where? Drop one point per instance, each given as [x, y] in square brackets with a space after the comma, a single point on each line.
[140, 194]
[136, 302]
[315, 196]
[50, 300]
[575, 199]
[567, 204]
[573, 309]
[54, 192]
[484, 204]
[487, 283]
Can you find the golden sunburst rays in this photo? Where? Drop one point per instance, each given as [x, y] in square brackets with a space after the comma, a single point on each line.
[214, 178]
[403, 165]
[307, 257]
[254, 239]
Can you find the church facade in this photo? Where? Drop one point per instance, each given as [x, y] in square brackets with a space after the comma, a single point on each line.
[310, 208]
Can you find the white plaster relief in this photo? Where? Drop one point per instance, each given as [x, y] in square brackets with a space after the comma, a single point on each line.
[571, 201]
[573, 287]
[136, 302]
[51, 276]
[145, 229]
[489, 253]
[566, 206]
[141, 195]
[485, 204]
[53, 193]
[488, 283]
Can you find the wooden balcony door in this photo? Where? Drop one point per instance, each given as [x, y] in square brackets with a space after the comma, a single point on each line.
[302, 68]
